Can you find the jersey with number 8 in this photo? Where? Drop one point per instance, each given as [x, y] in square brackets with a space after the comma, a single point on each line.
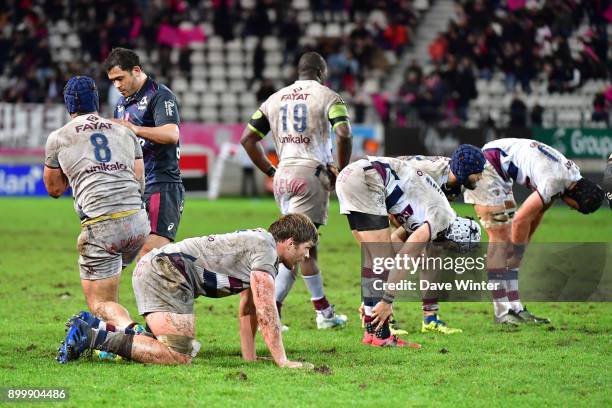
[97, 156]
[299, 117]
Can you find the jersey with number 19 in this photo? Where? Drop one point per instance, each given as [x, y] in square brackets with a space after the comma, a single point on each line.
[97, 156]
[299, 117]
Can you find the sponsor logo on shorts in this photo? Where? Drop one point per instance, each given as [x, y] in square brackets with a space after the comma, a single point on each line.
[106, 167]
[295, 139]
[171, 226]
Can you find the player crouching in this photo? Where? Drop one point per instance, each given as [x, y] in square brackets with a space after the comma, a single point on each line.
[371, 189]
[167, 280]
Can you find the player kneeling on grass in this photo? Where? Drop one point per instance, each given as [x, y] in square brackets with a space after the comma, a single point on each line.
[550, 175]
[167, 280]
[102, 162]
[371, 189]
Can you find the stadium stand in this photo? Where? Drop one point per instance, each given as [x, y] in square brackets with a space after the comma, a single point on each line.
[551, 56]
[215, 55]
[221, 56]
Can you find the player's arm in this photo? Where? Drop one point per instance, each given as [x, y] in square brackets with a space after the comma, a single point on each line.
[523, 220]
[339, 119]
[164, 134]
[55, 181]
[139, 173]
[253, 133]
[54, 178]
[262, 287]
[414, 246]
[247, 316]
[165, 114]
[399, 235]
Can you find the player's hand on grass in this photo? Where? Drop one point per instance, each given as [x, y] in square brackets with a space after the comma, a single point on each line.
[298, 364]
[381, 312]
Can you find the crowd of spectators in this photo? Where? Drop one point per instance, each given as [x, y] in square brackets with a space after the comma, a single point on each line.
[527, 39]
[523, 40]
[34, 74]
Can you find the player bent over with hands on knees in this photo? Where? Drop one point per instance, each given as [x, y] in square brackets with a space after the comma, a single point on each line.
[300, 118]
[369, 190]
[454, 175]
[167, 280]
[550, 175]
[94, 156]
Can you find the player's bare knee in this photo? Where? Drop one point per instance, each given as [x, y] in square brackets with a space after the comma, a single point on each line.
[181, 348]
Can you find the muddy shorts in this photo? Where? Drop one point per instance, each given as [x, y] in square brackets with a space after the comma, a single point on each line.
[361, 190]
[303, 190]
[491, 189]
[159, 286]
[108, 246]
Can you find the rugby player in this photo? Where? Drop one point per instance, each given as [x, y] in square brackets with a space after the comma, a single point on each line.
[167, 280]
[369, 190]
[299, 117]
[453, 174]
[550, 175]
[102, 162]
[150, 110]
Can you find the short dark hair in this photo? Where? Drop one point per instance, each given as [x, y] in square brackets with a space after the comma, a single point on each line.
[311, 64]
[122, 58]
[296, 226]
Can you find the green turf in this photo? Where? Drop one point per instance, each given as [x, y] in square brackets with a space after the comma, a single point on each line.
[566, 364]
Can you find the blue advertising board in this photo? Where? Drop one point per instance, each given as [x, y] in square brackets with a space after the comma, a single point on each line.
[22, 180]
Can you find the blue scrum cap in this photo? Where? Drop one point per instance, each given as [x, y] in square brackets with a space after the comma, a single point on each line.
[467, 159]
[81, 95]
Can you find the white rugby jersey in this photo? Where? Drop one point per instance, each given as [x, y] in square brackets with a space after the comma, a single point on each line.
[532, 163]
[412, 196]
[97, 156]
[437, 167]
[220, 265]
[300, 118]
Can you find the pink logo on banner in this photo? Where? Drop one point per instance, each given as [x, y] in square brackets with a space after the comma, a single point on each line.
[179, 37]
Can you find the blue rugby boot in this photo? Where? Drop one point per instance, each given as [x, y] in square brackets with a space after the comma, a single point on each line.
[79, 336]
[89, 318]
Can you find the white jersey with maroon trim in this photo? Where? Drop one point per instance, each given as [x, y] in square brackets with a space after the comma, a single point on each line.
[220, 265]
[534, 164]
[97, 156]
[437, 167]
[298, 118]
[412, 196]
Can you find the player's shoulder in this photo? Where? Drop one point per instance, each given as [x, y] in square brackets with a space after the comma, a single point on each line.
[329, 93]
[161, 91]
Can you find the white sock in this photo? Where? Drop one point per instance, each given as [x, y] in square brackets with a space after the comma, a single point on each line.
[283, 283]
[512, 289]
[314, 284]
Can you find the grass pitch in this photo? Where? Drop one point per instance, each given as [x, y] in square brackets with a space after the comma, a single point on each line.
[567, 363]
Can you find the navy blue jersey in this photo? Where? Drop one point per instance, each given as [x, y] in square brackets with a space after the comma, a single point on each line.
[154, 105]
